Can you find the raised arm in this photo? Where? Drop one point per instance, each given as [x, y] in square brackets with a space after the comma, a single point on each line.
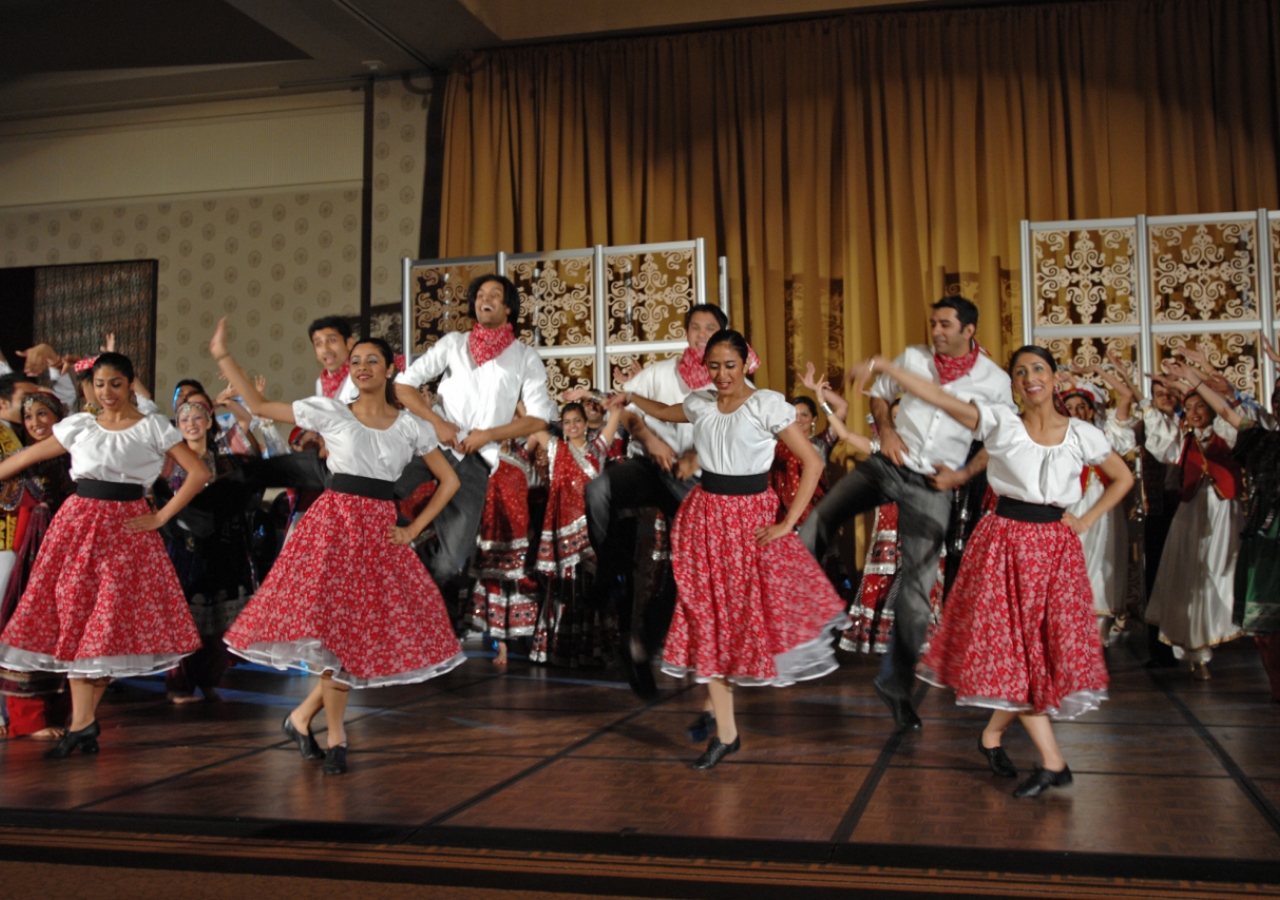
[258, 405]
[962, 411]
[853, 439]
[1212, 397]
[611, 425]
[822, 390]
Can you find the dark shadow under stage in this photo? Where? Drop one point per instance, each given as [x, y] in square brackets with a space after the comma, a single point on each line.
[563, 782]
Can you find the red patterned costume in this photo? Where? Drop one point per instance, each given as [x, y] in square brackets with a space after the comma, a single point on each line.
[504, 600]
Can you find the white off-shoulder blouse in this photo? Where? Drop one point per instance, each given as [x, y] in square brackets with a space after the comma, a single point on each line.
[741, 442]
[1024, 470]
[355, 448]
[132, 456]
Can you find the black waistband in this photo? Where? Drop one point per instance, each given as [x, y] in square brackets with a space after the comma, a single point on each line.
[735, 485]
[1021, 511]
[373, 488]
[108, 490]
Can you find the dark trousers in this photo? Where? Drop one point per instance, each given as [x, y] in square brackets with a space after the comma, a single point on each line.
[1155, 531]
[628, 486]
[456, 528]
[923, 515]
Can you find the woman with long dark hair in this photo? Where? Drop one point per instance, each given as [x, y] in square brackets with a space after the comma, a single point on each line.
[347, 597]
[1017, 633]
[103, 601]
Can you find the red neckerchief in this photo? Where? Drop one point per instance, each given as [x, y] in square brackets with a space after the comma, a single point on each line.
[694, 373]
[1210, 459]
[487, 343]
[331, 382]
[950, 368]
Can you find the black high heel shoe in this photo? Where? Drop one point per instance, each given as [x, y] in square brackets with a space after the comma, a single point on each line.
[1041, 780]
[335, 761]
[999, 761]
[715, 752]
[700, 730]
[85, 740]
[307, 745]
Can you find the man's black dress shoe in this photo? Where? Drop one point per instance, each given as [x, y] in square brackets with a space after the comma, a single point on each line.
[700, 730]
[307, 745]
[999, 761]
[85, 740]
[715, 752]
[335, 761]
[904, 715]
[1041, 780]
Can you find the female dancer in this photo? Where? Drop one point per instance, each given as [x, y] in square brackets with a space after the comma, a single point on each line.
[1017, 634]
[36, 702]
[569, 633]
[208, 543]
[103, 601]
[347, 597]
[753, 606]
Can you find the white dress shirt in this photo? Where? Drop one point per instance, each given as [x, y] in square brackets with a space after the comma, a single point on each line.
[132, 456]
[347, 391]
[355, 448]
[931, 436]
[474, 397]
[661, 383]
[741, 442]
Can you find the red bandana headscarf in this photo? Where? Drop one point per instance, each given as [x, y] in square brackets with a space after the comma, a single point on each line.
[487, 343]
[694, 372]
[950, 368]
[330, 382]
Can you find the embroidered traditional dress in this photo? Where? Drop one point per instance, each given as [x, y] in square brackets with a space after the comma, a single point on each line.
[754, 615]
[1106, 544]
[569, 631]
[10, 494]
[341, 597]
[1018, 631]
[505, 598]
[1194, 591]
[103, 601]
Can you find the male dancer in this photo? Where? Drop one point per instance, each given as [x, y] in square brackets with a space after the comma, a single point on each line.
[332, 339]
[486, 372]
[925, 442]
[651, 477]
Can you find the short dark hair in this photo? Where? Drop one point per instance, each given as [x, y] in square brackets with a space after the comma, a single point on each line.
[1040, 352]
[510, 295]
[117, 361]
[573, 406]
[337, 323]
[706, 308]
[807, 401]
[966, 311]
[9, 385]
[191, 382]
[730, 337]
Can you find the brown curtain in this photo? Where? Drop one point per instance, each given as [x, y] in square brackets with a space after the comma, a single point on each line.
[853, 169]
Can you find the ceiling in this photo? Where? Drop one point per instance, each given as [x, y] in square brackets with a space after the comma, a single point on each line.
[72, 56]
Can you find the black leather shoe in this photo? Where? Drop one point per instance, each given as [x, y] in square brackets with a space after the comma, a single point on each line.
[999, 761]
[85, 740]
[307, 745]
[335, 761]
[700, 730]
[715, 752]
[1041, 780]
[904, 714]
[639, 672]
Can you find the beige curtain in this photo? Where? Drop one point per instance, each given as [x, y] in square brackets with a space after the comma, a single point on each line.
[853, 169]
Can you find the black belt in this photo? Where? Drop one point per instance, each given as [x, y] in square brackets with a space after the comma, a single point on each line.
[373, 488]
[109, 490]
[1021, 511]
[735, 485]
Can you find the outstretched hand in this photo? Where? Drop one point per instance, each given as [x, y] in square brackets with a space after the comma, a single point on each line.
[218, 343]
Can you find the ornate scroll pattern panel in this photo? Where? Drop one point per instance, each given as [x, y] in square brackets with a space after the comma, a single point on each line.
[1204, 272]
[569, 373]
[647, 294]
[556, 306]
[1084, 277]
[1092, 351]
[624, 361]
[1275, 265]
[384, 322]
[440, 301]
[1234, 354]
[76, 306]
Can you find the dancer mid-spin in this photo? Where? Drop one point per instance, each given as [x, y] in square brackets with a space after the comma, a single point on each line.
[1017, 633]
[347, 597]
[753, 607]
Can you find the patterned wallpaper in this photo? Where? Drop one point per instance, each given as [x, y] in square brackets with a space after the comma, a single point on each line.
[269, 261]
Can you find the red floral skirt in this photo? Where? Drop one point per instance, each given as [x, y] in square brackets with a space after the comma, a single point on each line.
[1018, 631]
[102, 601]
[341, 598]
[754, 615]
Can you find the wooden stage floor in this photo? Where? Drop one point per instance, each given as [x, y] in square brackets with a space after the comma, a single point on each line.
[565, 783]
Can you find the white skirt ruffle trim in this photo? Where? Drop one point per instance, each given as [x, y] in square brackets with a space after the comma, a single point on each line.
[310, 655]
[804, 662]
[1073, 705]
[134, 666]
